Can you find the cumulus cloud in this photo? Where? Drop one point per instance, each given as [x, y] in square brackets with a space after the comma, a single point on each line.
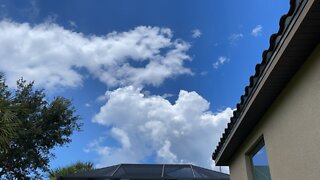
[144, 126]
[196, 33]
[150, 126]
[234, 38]
[53, 56]
[256, 31]
[221, 60]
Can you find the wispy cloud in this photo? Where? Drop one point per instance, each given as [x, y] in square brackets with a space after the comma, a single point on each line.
[256, 31]
[33, 10]
[196, 33]
[73, 24]
[101, 99]
[166, 95]
[234, 38]
[203, 73]
[221, 60]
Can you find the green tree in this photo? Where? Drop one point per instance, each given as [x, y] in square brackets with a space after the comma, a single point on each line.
[32, 126]
[8, 121]
[71, 169]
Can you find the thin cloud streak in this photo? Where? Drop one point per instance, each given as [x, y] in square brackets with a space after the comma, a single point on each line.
[235, 38]
[257, 31]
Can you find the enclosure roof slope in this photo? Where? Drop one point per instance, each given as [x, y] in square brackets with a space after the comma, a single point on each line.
[150, 171]
[297, 36]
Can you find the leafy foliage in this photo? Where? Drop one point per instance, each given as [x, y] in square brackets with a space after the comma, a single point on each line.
[30, 128]
[71, 169]
[8, 123]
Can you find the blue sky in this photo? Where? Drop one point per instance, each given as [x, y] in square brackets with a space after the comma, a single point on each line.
[154, 81]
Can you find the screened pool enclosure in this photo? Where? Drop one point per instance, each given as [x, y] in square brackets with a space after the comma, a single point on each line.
[149, 171]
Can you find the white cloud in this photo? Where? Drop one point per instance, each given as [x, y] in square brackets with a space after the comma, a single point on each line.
[203, 73]
[166, 95]
[165, 153]
[87, 104]
[221, 60]
[73, 24]
[32, 11]
[196, 33]
[52, 55]
[122, 136]
[101, 99]
[234, 38]
[183, 132]
[256, 31]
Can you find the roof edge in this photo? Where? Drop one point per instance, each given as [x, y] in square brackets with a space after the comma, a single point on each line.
[286, 23]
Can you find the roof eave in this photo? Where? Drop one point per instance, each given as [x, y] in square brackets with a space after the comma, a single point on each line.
[278, 69]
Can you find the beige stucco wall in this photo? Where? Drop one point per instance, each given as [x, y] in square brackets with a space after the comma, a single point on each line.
[291, 129]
